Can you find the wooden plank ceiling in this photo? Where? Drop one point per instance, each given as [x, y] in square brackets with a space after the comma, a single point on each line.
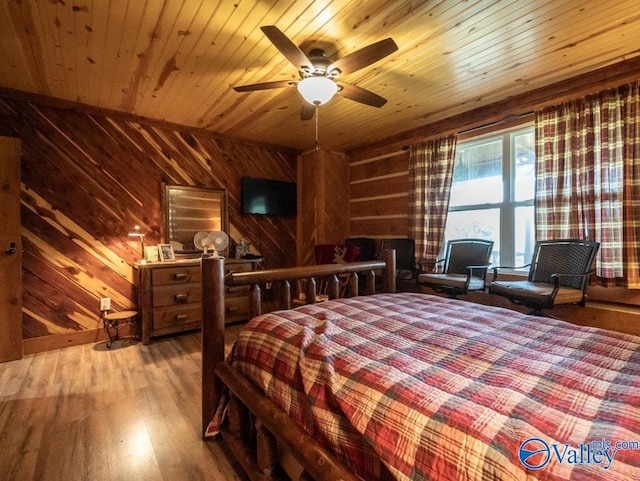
[177, 60]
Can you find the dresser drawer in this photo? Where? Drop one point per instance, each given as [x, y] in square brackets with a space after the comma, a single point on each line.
[176, 316]
[235, 291]
[170, 296]
[236, 309]
[176, 275]
[236, 306]
[240, 267]
[175, 295]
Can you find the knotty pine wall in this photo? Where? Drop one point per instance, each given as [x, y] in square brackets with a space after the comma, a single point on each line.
[88, 178]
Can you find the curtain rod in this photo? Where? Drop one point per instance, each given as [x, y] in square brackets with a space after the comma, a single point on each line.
[498, 122]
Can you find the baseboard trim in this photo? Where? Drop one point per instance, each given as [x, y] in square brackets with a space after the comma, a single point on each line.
[59, 341]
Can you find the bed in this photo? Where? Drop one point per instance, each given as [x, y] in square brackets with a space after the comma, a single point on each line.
[413, 386]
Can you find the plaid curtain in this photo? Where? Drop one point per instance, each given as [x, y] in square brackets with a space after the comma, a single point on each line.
[588, 178]
[430, 173]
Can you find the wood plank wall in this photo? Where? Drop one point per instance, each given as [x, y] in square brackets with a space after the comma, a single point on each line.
[88, 178]
[323, 200]
[379, 192]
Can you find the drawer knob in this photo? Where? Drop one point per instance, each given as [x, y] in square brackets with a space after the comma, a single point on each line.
[232, 309]
[180, 276]
[181, 297]
[181, 317]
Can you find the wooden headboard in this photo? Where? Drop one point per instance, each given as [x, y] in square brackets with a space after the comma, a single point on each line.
[213, 312]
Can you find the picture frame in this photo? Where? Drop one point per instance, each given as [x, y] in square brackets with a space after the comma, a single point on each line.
[166, 252]
[151, 254]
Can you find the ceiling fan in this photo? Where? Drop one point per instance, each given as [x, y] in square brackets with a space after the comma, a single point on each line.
[319, 75]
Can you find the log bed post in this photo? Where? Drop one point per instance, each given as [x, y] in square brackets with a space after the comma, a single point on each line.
[213, 313]
[255, 301]
[272, 423]
[310, 290]
[389, 272]
[285, 294]
[212, 335]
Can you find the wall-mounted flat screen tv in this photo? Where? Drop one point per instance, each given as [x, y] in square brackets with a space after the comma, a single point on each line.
[268, 197]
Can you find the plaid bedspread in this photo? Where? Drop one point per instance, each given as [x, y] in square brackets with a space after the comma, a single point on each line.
[445, 389]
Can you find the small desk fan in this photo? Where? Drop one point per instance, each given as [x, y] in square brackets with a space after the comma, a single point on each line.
[216, 240]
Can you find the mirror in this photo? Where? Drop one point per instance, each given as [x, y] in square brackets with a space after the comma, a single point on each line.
[188, 210]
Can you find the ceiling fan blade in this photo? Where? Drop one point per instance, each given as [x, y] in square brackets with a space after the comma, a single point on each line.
[361, 95]
[288, 48]
[364, 57]
[266, 85]
[308, 111]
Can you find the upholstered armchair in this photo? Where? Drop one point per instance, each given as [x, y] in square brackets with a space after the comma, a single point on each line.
[558, 274]
[464, 269]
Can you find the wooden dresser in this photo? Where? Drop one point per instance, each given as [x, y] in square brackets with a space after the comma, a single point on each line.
[170, 296]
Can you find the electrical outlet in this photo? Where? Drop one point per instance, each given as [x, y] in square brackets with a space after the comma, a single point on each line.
[105, 304]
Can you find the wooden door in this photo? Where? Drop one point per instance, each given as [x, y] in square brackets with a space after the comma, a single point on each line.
[10, 251]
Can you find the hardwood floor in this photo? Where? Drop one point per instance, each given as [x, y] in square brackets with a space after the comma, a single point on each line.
[90, 413]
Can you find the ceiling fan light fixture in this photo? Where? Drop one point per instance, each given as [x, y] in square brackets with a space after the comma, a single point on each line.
[317, 90]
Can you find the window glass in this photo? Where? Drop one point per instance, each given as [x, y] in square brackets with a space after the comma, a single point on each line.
[524, 235]
[492, 194]
[525, 163]
[476, 224]
[477, 174]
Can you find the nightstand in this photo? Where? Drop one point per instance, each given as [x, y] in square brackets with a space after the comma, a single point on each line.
[170, 295]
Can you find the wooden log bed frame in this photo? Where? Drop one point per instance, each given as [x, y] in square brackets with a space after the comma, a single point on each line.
[255, 427]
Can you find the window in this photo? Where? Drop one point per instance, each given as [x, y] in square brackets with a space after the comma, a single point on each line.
[492, 194]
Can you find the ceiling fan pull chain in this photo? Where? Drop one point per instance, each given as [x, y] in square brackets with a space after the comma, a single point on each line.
[317, 142]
